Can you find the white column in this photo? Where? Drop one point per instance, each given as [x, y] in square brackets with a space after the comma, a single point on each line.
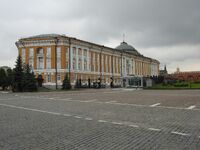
[106, 64]
[88, 60]
[113, 65]
[102, 63]
[98, 58]
[82, 57]
[125, 73]
[93, 60]
[110, 64]
[71, 57]
[134, 71]
[76, 59]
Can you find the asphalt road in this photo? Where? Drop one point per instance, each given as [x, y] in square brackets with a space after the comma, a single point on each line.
[101, 120]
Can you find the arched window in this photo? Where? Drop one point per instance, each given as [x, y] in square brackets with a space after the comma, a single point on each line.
[39, 51]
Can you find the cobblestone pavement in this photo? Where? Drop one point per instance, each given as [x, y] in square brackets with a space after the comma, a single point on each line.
[101, 120]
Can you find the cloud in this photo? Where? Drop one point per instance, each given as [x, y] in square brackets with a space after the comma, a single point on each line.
[166, 30]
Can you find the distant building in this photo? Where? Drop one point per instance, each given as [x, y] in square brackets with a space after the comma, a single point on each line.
[52, 56]
[186, 75]
[163, 72]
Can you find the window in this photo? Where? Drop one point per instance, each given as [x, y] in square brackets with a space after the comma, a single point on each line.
[74, 63]
[40, 51]
[127, 66]
[58, 50]
[74, 59]
[74, 51]
[49, 52]
[31, 63]
[48, 58]
[85, 64]
[31, 57]
[31, 52]
[40, 59]
[23, 55]
[67, 58]
[79, 64]
[79, 52]
[48, 78]
[85, 53]
[58, 77]
[41, 63]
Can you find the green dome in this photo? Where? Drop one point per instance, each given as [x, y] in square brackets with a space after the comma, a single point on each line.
[127, 48]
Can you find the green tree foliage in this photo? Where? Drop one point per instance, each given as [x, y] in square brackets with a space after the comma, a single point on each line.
[29, 82]
[66, 83]
[9, 78]
[40, 80]
[18, 76]
[3, 78]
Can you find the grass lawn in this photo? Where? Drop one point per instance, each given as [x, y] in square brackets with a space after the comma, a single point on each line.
[195, 85]
[168, 86]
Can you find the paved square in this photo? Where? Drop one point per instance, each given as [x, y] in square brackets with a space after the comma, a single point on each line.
[105, 119]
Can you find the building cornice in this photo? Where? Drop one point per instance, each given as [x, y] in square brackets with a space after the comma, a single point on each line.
[64, 41]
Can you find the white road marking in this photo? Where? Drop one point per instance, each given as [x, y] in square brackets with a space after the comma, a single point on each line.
[117, 123]
[179, 133]
[102, 121]
[123, 104]
[67, 115]
[154, 129]
[8, 99]
[88, 119]
[129, 89]
[191, 107]
[78, 117]
[134, 126]
[109, 92]
[30, 109]
[66, 99]
[4, 92]
[111, 102]
[89, 101]
[154, 105]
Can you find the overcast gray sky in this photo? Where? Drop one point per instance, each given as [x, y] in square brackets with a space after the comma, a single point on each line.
[168, 30]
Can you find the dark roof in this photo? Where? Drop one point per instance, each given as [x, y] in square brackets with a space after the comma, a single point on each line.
[127, 48]
[45, 35]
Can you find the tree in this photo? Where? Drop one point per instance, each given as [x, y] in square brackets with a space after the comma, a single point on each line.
[9, 78]
[66, 83]
[18, 76]
[29, 81]
[2, 78]
[40, 80]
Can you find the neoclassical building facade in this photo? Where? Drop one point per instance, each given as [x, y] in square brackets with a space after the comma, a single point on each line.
[53, 55]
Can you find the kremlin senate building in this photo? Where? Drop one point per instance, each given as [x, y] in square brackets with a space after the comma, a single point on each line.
[53, 55]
